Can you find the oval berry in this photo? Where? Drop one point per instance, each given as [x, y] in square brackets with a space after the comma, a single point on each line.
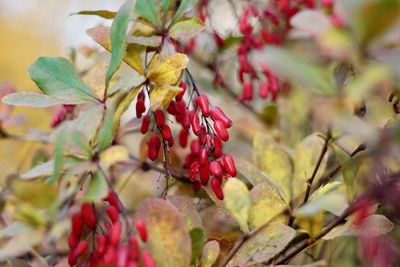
[145, 124]
[216, 187]
[115, 232]
[112, 213]
[202, 102]
[183, 137]
[204, 175]
[147, 259]
[140, 108]
[221, 130]
[229, 165]
[216, 169]
[77, 224]
[81, 248]
[218, 115]
[154, 147]
[89, 216]
[179, 96]
[203, 158]
[160, 117]
[141, 229]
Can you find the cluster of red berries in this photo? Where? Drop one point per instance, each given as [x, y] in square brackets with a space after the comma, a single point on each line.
[208, 124]
[107, 246]
[61, 115]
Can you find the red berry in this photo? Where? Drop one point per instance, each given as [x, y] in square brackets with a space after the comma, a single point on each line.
[202, 102]
[172, 109]
[115, 232]
[89, 216]
[134, 255]
[248, 91]
[203, 159]
[221, 130]
[217, 142]
[194, 170]
[196, 185]
[186, 119]
[145, 124]
[216, 187]
[263, 90]
[160, 117]
[110, 255]
[183, 137]
[113, 200]
[112, 213]
[229, 165]
[182, 93]
[101, 242]
[81, 248]
[73, 240]
[154, 147]
[218, 115]
[122, 257]
[216, 169]
[195, 122]
[147, 259]
[72, 259]
[141, 229]
[204, 174]
[166, 133]
[195, 147]
[77, 224]
[140, 108]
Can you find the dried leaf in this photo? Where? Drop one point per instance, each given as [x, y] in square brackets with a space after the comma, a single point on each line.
[169, 70]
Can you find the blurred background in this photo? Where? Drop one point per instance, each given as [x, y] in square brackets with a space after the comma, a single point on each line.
[29, 29]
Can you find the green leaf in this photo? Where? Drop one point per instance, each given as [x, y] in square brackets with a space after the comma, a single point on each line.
[35, 100]
[262, 246]
[197, 236]
[106, 132]
[59, 145]
[118, 38]
[183, 7]
[101, 13]
[98, 188]
[165, 4]
[57, 78]
[349, 169]
[186, 28]
[266, 206]
[168, 240]
[210, 254]
[237, 201]
[148, 9]
[79, 140]
[293, 68]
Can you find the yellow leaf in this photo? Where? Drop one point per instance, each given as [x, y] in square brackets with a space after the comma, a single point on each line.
[169, 70]
[210, 254]
[153, 63]
[311, 224]
[272, 158]
[43, 195]
[161, 95]
[237, 201]
[101, 34]
[113, 155]
[267, 206]
[123, 105]
[95, 79]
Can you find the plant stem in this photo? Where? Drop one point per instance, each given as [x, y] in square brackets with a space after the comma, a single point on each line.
[315, 171]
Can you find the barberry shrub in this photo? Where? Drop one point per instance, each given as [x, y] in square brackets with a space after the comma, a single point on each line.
[161, 153]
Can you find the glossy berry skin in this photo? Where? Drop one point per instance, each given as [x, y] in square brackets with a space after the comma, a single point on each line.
[145, 124]
[218, 115]
[147, 259]
[115, 232]
[229, 165]
[81, 248]
[89, 216]
[77, 224]
[112, 213]
[160, 117]
[154, 147]
[183, 138]
[216, 169]
[221, 131]
[140, 108]
[202, 103]
[141, 229]
[204, 173]
[216, 187]
[203, 158]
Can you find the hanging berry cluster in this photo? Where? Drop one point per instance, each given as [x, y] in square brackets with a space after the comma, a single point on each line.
[209, 124]
[108, 249]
